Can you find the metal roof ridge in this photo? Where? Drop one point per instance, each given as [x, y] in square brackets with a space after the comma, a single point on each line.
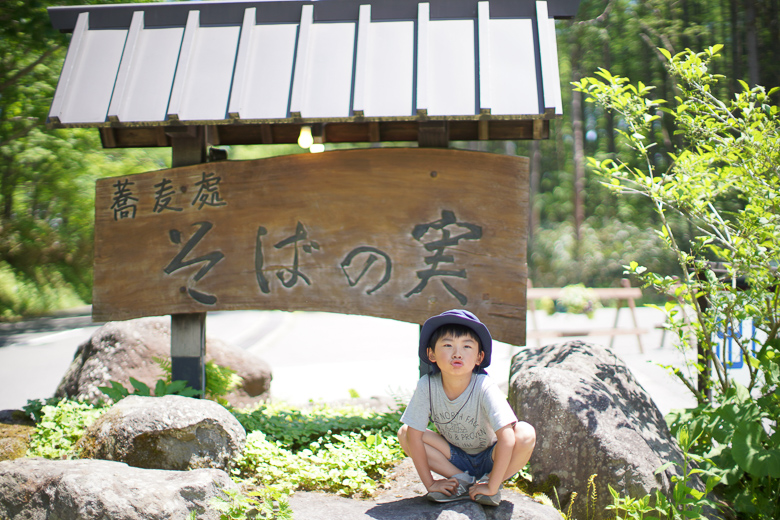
[64, 18]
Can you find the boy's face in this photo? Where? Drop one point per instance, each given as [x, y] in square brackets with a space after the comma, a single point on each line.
[456, 355]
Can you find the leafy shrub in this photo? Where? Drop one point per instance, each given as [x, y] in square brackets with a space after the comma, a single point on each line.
[576, 299]
[340, 450]
[34, 293]
[296, 429]
[350, 465]
[61, 426]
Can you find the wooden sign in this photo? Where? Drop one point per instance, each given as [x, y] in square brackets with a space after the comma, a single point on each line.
[394, 233]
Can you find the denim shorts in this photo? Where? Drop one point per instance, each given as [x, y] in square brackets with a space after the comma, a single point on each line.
[475, 465]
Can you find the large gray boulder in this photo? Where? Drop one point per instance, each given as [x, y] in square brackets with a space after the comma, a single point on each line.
[591, 416]
[90, 489]
[123, 349]
[170, 432]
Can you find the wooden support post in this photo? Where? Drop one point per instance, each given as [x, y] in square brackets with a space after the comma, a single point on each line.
[188, 331]
[188, 349]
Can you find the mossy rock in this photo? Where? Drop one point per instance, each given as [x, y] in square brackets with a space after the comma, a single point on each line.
[14, 440]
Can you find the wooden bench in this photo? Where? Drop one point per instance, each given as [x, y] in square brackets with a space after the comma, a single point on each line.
[626, 294]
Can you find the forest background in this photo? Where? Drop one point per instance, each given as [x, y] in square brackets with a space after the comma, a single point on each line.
[579, 232]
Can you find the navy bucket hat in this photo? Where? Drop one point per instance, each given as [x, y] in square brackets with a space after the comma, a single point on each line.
[459, 317]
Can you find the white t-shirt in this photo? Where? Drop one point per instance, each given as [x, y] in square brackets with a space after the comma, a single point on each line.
[481, 410]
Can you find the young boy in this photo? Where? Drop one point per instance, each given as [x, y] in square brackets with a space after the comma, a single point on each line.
[480, 442]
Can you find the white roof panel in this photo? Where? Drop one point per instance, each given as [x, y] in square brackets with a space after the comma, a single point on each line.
[207, 85]
[93, 78]
[513, 63]
[153, 68]
[451, 71]
[390, 75]
[328, 80]
[270, 71]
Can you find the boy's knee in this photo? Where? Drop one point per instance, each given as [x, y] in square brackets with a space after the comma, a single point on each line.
[402, 433]
[525, 434]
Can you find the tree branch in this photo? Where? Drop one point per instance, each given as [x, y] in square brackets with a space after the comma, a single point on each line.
[18, 135]
[23, 72]
[600, 18]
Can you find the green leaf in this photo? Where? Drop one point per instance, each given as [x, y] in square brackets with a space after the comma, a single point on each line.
[750, 450]
[160, 388]
[141, 388]
[665, 466]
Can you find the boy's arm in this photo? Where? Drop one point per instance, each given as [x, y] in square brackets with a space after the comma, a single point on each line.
[420, 460]
[501, 456]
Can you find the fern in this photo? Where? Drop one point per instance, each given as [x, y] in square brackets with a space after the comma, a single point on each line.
[220, 380]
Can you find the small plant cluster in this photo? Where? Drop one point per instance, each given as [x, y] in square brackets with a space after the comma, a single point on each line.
[576, 299]
[60, 427]
[688, 500]
[340, 450]
[239, 505]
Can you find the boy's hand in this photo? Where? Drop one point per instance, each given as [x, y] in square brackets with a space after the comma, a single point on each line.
[446, 486]
[481, 489]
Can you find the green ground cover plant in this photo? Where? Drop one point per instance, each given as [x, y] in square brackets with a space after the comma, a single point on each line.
[344, 450]
[724, 180]
[60, 427]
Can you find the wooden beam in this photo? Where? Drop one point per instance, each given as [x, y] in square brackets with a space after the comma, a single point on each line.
[338, 132]
[433, 134]
[107, 137]
[373, 132]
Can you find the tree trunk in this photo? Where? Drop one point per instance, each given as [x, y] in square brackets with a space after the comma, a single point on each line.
[736, 45]
[7, 194]
[609, 115]
[579, 165]
[773, 17]
[751, 42]
[579, 141]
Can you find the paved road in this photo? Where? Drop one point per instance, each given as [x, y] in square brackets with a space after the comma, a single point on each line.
[320, 356]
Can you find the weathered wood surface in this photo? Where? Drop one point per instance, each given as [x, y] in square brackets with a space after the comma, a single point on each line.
[393, 233]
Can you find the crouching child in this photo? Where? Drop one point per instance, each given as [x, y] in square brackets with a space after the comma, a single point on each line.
[480, 442]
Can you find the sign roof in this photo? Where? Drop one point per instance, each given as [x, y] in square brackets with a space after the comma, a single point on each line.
[370, 70]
